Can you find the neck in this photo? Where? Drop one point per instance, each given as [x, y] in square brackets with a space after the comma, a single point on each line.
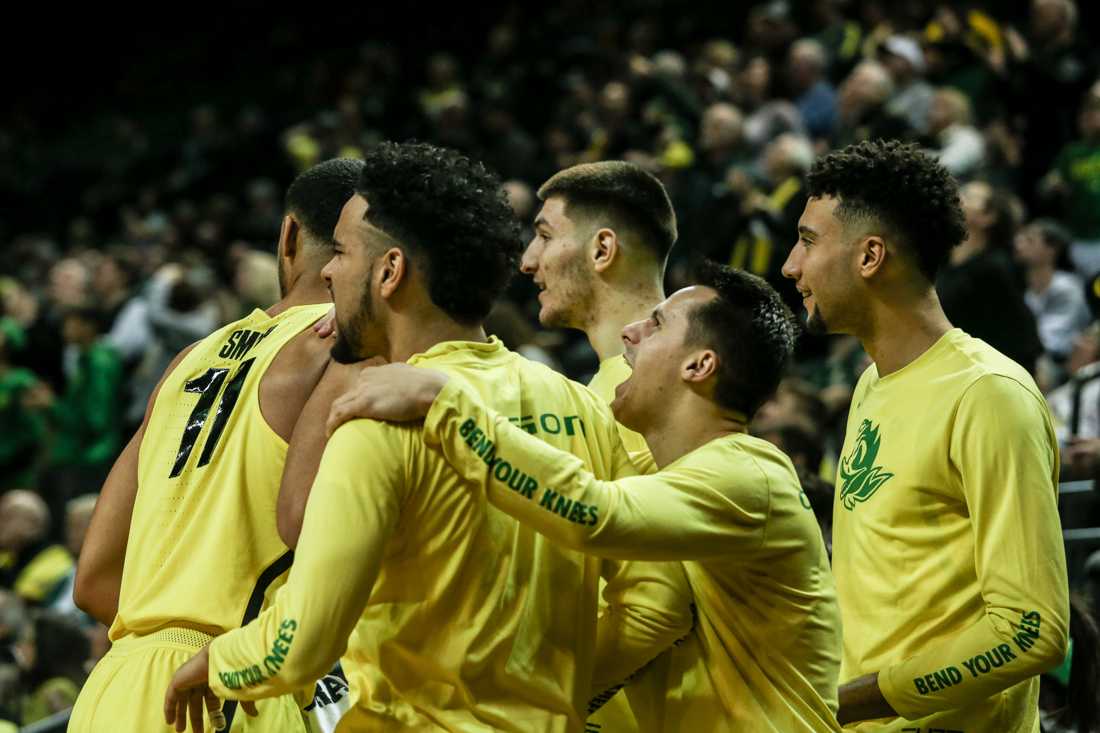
[415, 335]
[974, 244]
[615, 307]
[304, 290]
[1039, 277]
[900, 330]
[689, 424]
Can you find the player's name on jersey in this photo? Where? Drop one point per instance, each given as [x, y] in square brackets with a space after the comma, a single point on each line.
[242, 341]
[523, 483]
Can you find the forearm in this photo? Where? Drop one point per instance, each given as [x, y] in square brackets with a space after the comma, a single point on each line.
[649, 608]
[992, 655]
[658, 517]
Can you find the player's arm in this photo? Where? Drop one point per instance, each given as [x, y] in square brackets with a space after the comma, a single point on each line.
[648, 604]
[353, 508]
[307, 443]
[1004, 449]
[679, 514]
[99, 568]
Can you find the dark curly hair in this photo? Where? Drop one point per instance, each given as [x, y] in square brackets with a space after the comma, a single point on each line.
[452, 215]
[900, 188]
[317, 195]
[752, 331]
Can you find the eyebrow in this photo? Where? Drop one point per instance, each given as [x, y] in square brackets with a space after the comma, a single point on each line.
[806, 231]
[657, 314]
[540, 221]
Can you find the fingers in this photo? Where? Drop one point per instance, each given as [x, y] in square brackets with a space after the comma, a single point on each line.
[194, 707]
[170, 700]
[214, 708]
[249, 708]
[339, 413]
[181, 712]
[327, 325]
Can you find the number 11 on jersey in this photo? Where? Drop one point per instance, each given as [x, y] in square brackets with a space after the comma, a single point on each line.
[209, 385]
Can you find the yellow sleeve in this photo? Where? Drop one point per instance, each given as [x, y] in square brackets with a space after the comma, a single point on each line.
[352, 511]
[688, 513]
[649, 608]
[1004, 449]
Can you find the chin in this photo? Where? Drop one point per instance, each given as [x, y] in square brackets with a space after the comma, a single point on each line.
[343, 352]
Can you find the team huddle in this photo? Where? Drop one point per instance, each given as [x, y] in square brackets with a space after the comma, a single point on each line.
[482, 544]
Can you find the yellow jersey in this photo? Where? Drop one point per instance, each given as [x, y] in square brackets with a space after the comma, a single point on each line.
[203, 547]
[459, 618]
[947, 547]
[768, 627]
[614, 371]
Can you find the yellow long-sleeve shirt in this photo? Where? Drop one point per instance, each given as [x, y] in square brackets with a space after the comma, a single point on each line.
[768, 625]
[947, 547]
[459, 618]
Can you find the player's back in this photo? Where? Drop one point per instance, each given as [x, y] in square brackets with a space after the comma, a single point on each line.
[475, 621]
[203, 546]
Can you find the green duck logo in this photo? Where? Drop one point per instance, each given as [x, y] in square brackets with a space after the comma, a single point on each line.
[860, 478]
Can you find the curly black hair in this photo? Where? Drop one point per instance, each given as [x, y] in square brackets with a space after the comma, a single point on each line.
[750, 328]
[452, 214]
[317, 195]
[900, 188]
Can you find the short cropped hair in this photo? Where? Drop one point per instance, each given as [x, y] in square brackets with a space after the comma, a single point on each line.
[896, 186]
[452, 215]
[752, 331]
[622, 195]
[317, 196]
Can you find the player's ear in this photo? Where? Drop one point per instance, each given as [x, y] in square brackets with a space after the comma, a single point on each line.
[872, 255]
[289, 238]
[698, 366]
[392, 271]
[605, 249]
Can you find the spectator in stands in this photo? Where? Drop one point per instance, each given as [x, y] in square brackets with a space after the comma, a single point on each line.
[78, 514]
[814, 96]
[24, 428]
[29, 564]
[766, 115]
[770, 211]
[903, 59]
[14, 650]
[57, 666]
[85, 417]
[1055, 294]
[956, 142]
[1075, 407]
[1070, 694]
[1076, 181]
[114, 284]
[861, 107]
[977, 288]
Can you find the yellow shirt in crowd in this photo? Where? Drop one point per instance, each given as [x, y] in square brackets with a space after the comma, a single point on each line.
[947, 548]
[459, 617]
[204, 549]
[768, 626]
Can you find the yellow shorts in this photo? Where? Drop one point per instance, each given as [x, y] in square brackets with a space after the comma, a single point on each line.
[125, 691]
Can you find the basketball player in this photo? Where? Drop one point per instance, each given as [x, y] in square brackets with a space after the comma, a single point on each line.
[458, 617]
[947, 548]
[198, 485]
[726, 504]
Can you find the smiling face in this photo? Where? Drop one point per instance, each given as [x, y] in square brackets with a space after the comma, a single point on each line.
[656, 352]
[556, 260]
[349, 275]
[822, 267]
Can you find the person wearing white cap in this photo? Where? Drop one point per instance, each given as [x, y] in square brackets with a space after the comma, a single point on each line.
[904, 61]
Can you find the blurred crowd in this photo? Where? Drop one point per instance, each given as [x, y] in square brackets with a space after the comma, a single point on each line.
[166, 241]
